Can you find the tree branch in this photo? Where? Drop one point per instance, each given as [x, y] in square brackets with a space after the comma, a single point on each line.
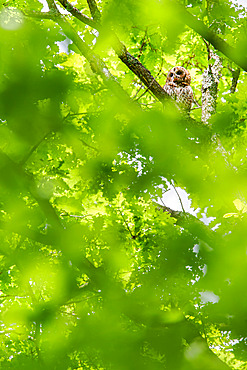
[192, 224]
[96, 64]
[94, 10]
[210, 82]
[51, 5]
[221, 45]
[33, 149]
[235, 76]
[76, 13]
[39, 15]
[197, 25]
[129, 60]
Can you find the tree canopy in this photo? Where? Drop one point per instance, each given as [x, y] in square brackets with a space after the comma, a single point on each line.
[97, 272]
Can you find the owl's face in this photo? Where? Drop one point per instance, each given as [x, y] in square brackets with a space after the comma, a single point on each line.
[178, 76]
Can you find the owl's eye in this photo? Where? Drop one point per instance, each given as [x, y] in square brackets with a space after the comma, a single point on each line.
[171, 74]
[179, 73]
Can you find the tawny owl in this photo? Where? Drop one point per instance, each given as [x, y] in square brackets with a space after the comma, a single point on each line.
[178, 87]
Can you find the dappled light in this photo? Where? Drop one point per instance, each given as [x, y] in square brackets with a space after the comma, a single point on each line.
[122, 214]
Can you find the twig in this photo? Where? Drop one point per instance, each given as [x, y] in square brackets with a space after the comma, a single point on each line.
[89, 146]
[33, 149]
[148, 88]
[76, 216]
[125, 222]
[235, 76]
[198, 106]
[209, 52]
[143, 43]
[144, 92]
[81, 114]
[140, 88]
[180, 200]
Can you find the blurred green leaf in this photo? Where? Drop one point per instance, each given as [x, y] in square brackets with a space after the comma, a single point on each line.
[93, 273]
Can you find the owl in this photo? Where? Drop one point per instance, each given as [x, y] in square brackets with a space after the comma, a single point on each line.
[178, 87]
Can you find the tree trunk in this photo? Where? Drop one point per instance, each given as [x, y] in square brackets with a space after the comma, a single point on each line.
[210, 82]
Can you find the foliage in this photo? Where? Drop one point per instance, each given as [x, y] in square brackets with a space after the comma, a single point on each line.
[94, 274]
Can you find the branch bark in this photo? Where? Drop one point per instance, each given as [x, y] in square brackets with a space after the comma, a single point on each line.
[210, 82]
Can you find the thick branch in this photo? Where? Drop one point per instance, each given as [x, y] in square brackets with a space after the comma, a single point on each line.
[210, 82]
[218, 43]
[192, 224]
[129, 60]
[144, 74]
[76, 13]
[135, 66]
[235, 77]
[96, 64]
[39, 15]
[94, 10]
[52, 5]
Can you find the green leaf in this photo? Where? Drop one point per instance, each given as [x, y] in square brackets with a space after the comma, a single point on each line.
[241, 207]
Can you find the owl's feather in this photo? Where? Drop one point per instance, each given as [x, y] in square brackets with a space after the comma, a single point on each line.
[178, 87]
